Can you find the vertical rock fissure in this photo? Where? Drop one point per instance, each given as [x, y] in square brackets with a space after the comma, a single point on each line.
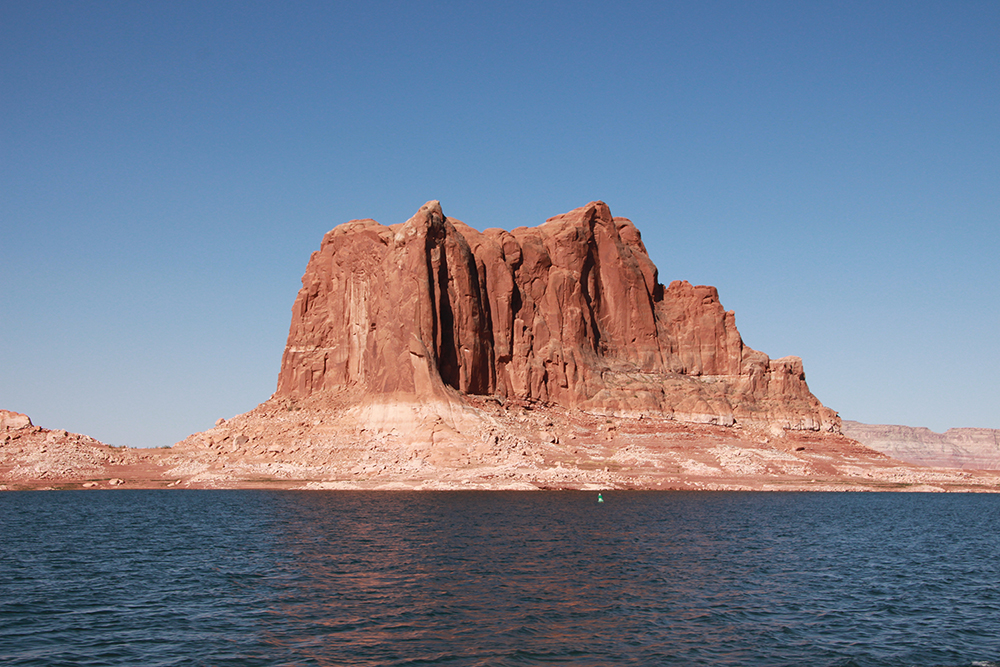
[593, 290]
[447, 350]
[433, 294]
[482, 285]
[480, 378]
[588, 282]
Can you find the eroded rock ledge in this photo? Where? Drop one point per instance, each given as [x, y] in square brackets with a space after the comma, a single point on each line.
[33, 456]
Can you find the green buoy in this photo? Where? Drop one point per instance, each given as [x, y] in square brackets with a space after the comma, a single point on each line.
[600, 498]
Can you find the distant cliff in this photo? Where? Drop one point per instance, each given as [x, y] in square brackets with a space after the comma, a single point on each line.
[569, 313]
[972, 448]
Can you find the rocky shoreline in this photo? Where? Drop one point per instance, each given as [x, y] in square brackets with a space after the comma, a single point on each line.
[312, 450]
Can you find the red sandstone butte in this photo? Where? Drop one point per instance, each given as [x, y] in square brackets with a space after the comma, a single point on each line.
[428, 355]
[569, 313]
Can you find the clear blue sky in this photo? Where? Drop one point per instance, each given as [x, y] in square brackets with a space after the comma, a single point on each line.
[166, 169]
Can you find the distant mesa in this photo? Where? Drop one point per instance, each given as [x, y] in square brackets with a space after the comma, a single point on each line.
[969, 448]
[569, 314]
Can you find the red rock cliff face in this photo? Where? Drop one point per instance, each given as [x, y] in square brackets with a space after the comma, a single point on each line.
[568, 313]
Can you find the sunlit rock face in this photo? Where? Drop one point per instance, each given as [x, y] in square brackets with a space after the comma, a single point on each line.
[13, 420]
[569, 313]
[970, 448]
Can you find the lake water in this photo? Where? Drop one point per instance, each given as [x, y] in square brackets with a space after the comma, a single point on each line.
[477, 578]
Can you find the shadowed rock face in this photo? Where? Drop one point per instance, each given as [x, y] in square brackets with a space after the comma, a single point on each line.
[568, 313]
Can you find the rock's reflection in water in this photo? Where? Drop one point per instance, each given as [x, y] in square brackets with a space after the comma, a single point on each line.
[478, 578]
[645, 578]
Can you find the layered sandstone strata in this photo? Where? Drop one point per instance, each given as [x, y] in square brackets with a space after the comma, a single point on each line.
[569, 313]
[970, 448]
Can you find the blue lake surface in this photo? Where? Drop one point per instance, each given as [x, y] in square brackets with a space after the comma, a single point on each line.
[480, 578]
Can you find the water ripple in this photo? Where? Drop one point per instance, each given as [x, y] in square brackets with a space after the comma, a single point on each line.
[352, 578]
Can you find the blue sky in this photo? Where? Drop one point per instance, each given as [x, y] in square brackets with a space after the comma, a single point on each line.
[166, 169]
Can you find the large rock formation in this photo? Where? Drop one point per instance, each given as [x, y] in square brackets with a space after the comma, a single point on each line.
[428, 355]
[970, 448]
[569, 313]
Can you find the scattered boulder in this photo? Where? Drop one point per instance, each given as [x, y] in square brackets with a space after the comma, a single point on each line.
[13, 421]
